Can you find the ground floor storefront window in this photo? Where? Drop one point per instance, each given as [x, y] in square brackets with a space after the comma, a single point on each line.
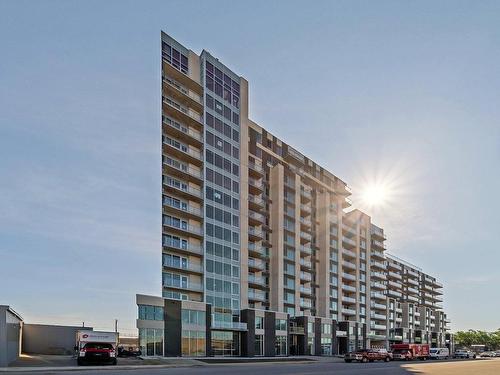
[326, 346]
[281, 346]
[225, 343]
[193, 343]
[151, 341]
[259, 345]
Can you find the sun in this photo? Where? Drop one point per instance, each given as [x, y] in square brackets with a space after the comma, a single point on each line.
[375, 195]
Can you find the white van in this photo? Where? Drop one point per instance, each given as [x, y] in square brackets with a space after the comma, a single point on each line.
[439, 353]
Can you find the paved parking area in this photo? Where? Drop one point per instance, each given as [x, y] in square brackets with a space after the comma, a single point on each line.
[320, 367]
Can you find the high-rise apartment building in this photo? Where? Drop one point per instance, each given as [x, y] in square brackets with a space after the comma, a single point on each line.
[262, 253]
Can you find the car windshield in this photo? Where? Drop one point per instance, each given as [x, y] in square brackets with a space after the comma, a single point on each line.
[98, 345]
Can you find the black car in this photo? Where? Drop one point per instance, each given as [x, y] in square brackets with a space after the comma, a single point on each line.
[97, 353]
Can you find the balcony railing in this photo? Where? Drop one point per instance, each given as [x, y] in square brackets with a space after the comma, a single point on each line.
[350, 253]
[259, 280]
[182, 246]
[185, 208]
[184, 267]
[256, 263]
[305, 249]
[183, 167]
[349, 241]
[305, 276]
[235, 326]
[348, 288]
[187, 111]
[186, 228]
[179, 87]
[348, 311]
[182, 148]
[348, 276]
[184, 188]
[256, 295]
[182, 128]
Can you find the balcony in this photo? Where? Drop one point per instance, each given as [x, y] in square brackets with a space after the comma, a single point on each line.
[305, 304]
[347, 264]
[229, 326]
[378, 265]
[348, 288]
[307, 250]
[377, 232]
[349, 253]
[381, 327]
[306, 195]
[176, 148]
[258, 250]
[394, 266]
[188, 267]
[255, 234]
[183, 132]
[378, 244]
[348, 311]
[186, 209]
[347, 241]
[305, 276]
[394, 293]
[348, 299]
[394, 284]
[412, 273]
[295, 330]
[290, 184]
[377, 255]
[255, 203]
[184, 189]
[305, 290]
[256, 295]
[305, 237]
[412, 282]
[376, 285]
[374, 315]
[378, 296]
[182, 113]
[255, 186]
[185, 229]
[256, 280]
[412, 298]
[189, 286]
[305, 222]
[255, 218]
[305, 263]
[256, 264]
[348, 276]
[183, 247]
[182, 94]
[181, 77]
[379, 276]
[394, 275]
[183, 170]
[255, 169]
[305, 209]
[349, 230]
[412, 291]
[379, 306]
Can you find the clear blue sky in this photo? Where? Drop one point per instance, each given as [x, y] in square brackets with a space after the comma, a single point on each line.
[401, 91]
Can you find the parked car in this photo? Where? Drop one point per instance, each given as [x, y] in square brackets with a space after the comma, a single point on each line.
[439, 353]
[130, 352]
[464, 354]
[487, 354]
[497, 354]
[368, 355]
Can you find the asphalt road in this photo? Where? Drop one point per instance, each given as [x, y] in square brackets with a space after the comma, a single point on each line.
[483, 367]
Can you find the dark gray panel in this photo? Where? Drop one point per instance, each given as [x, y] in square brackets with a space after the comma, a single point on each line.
[173, 328]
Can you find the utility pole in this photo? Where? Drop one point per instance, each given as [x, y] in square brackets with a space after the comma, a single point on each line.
[116, 325]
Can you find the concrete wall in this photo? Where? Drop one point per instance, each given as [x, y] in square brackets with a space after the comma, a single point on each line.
[11, 326]
[49, 339]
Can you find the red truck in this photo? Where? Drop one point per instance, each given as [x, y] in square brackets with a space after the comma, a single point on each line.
[407, 352]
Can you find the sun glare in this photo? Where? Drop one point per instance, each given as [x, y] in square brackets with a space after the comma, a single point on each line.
[375, 195]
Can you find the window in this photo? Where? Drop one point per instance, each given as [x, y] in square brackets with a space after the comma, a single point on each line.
[193, 343]
[148, 312]
[259, 345]
[151, 341]
[259, 322]
[281, 346]
[281, 325]
[196, 317]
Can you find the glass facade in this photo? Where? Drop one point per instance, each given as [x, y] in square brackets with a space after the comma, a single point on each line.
[222, 191]
[225, 343]
[148, 312]
[151, 341]
[193, 343]
[280, 347]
